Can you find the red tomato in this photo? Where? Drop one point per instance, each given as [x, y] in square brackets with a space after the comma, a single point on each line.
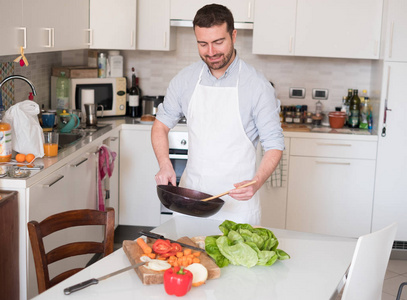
[175, 247]
[161, 246]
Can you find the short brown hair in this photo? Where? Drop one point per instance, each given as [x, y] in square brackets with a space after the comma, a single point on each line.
[214, 15]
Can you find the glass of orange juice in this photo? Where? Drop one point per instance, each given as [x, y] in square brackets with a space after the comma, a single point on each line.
[51, 143]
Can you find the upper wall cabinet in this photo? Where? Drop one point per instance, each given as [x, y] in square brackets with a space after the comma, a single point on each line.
[11, 31]
[396, 31]
[51, 31]
[274, 27]
[42, 29]
[331, 28]
[112, 24]
[186, 9]
[323, 28]
[153, 26]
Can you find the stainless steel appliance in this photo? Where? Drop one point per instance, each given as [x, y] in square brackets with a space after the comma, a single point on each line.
[178, 150]
[150, 103]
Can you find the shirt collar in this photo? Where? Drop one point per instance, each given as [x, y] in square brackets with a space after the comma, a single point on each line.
[228, 70]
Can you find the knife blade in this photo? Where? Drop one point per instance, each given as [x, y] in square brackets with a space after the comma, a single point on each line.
[158, 236]
[84, 284]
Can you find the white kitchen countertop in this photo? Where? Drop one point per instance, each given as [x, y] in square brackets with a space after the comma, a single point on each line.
[315, 270]
[117, 123]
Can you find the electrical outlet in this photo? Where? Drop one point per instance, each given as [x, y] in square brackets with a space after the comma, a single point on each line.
[320, 94]
[297, 93]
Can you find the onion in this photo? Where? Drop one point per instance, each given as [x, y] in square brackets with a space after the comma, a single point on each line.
[199, 273]
[157, 265]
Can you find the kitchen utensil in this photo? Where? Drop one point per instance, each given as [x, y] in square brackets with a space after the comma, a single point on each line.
[90, 110]
[187, 201]
[225, 193]
[67, 122]
[337, 119]
[89, 282]
[158, 236]
[150, 103]
[48, 120]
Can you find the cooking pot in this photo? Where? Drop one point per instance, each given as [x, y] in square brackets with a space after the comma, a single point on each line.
[187, 201]
[149, 104]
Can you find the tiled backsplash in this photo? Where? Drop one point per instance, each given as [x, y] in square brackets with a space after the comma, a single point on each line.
[157, 68]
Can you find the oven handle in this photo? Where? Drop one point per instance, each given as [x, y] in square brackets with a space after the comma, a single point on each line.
[178, 156]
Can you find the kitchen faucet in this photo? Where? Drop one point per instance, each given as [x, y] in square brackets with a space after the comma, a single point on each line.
[15, 77]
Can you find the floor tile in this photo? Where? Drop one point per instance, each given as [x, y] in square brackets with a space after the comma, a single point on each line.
[390, 274]
[397, 266]
[386, 296]
[391, 286]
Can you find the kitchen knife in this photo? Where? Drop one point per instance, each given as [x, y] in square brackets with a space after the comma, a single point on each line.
[84, 284]
[157, 236]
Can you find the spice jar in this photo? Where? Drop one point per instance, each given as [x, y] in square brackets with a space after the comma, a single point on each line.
[297, 118]
[308, 118]
[288, 117]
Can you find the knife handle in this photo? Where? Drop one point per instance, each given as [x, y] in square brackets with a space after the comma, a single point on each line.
[79, 286]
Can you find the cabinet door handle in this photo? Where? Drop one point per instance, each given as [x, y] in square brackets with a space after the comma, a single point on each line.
[24, 29]
[50, 37]
[332, 163]
[249, 10]
[328, 144]
[79, 163]
[55, 181]
[90, 37]
[391, 39]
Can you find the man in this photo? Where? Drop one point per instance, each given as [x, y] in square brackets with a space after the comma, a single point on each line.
[229, 107]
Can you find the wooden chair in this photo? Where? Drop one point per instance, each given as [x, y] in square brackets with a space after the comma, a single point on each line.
[369, 264]
[37, 231]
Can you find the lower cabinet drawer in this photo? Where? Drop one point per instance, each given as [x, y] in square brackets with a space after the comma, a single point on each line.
[333, 148]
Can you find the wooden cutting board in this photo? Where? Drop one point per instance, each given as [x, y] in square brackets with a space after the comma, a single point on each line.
[147, 276]
[295, 127]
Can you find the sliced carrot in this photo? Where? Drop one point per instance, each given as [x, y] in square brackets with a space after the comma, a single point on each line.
[196, 254]
[143, 245]
[180, 254]
[187, 252]
[151, 255]
[196, 260]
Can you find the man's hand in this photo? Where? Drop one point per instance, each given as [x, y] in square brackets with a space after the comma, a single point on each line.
[166, 175]
[244, 193]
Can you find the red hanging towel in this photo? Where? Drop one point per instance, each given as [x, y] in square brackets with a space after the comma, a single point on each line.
[105, 167]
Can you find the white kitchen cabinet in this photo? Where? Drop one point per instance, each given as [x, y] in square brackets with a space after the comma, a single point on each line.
[391, 176]
[112, 24]
[55, 25]
[139, 203]
[331, 28]
[396, 31]
[185, 9]
[273, 197]
[347, 29]
[153, 26]
[331, 186]
[73, 186]
[274, 27]
[11, 31]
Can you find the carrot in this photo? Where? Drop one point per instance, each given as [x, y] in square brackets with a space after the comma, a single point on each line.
[143, 245]
[187, 252]
[180, 254]
[197, 254]
[196, 260]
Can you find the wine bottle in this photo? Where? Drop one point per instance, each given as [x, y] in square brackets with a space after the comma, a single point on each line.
[347, 105]
[134, 97]
[354, 110]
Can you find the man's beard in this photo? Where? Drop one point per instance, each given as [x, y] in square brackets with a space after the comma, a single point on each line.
[220, 64]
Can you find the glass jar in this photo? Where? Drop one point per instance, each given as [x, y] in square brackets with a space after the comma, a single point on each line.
[297, 118]
[289, 117]
[308, 118]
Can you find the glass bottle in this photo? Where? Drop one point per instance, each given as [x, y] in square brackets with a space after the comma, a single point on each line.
[62, 93]
[347, 105]
[354, 110]
[134, 96]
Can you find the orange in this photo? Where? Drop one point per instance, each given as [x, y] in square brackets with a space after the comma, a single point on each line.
[29, 157]
[20, 157]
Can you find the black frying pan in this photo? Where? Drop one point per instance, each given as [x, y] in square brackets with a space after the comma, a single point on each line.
[187, 201]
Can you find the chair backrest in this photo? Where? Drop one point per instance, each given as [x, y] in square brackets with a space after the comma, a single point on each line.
[83, 217]
[369, 264]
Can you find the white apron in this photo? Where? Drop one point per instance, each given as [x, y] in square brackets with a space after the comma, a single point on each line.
[220, 153]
